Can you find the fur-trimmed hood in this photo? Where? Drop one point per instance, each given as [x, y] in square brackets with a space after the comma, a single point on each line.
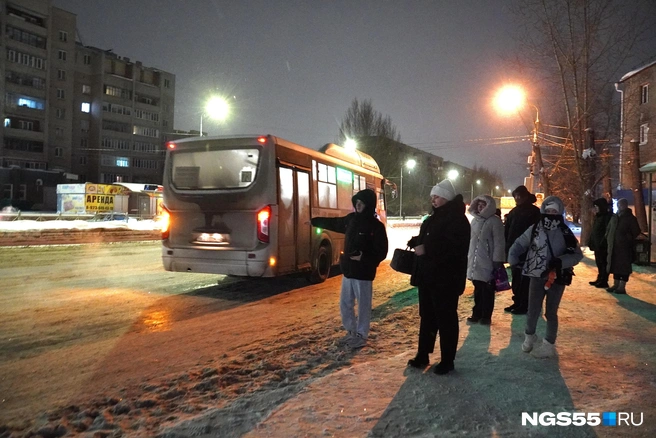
[490, 207]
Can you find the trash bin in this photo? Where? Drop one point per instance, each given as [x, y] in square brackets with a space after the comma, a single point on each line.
[642, 251]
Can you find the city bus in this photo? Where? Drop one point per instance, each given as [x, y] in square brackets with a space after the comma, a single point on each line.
[242, 206]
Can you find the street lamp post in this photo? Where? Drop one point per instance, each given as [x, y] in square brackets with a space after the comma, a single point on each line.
[478, 183]
[511, 99]
[537, 156]
[411, 164]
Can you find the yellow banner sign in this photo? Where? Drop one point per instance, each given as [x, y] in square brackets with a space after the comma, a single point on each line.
[99, 202]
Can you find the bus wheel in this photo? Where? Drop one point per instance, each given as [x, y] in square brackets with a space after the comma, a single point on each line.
[322, 268]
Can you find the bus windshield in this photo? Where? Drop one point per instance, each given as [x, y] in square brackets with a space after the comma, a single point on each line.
[214, 168]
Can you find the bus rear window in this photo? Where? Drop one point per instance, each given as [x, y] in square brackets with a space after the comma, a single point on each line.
[214, 169]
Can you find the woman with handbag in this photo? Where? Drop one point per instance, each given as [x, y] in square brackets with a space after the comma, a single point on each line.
[486, 255]
[440, 275]
[551, 247]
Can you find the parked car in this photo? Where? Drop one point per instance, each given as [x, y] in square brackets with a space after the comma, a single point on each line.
[576, 228]
[109, 216]
[8, 213]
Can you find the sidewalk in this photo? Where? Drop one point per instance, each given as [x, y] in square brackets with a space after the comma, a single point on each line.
[606, 362]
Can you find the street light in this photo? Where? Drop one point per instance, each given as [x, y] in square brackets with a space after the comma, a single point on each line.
[512, 98]
[216, 108]
[350, 144]
[410, 164]
[478, 183]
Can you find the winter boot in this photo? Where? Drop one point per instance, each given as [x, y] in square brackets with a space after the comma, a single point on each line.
[419, 361]
[594, 282]
[346, 338]
[529, 340]
[356, 342]
[616, 284]
[602, 284]
[443, 368]
[546, 350]
[621, 288]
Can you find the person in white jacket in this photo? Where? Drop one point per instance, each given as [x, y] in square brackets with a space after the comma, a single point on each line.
[550, 247]
[486, 253]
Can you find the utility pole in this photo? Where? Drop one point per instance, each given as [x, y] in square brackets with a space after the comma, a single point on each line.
[541, 173]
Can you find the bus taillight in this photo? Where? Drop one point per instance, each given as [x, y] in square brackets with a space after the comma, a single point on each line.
[165, 223]
[263, 217]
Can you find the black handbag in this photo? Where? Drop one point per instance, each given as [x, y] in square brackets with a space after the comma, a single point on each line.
[404, 261]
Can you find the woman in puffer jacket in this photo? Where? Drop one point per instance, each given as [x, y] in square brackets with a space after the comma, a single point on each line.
[486, 253]
[550, 246]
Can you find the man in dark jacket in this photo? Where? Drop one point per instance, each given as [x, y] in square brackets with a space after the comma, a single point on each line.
[597, 241]
[365, 246]
[441, 247]
[520, 218]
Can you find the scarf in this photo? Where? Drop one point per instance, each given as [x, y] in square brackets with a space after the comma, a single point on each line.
[538, 256]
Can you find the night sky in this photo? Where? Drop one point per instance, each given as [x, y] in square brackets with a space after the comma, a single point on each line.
[292, 68]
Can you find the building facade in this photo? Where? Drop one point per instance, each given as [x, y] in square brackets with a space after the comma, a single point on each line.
[638, 119]
[87, 113]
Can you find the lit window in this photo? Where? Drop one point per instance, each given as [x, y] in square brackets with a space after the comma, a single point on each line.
[122, 162]
[644, 131]
[7, 122]
[86, 89]
[85, 107]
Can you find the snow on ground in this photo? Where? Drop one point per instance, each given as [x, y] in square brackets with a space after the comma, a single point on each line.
[33, 225]
[299, 382]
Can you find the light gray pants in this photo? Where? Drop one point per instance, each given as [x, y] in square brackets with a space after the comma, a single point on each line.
[361, 291]
[536, 294]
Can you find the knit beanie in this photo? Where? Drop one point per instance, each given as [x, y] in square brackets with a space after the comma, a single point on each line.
[553, 205]
[444, 189]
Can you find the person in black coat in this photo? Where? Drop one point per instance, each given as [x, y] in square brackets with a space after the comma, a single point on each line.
[520, 218]
[441, 247]
[597, 241]
[365, 246]
[622, 231]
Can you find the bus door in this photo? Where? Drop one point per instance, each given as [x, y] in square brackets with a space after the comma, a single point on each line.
[293, 219]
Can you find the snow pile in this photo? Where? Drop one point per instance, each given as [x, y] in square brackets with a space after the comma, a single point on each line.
[32, 225]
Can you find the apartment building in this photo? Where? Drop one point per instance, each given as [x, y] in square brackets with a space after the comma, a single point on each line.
[638, 118]
[82, 112]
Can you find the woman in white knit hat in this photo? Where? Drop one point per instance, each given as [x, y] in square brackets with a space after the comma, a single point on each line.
[441, 248]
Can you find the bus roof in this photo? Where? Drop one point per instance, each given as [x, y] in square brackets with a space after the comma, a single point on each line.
[335, 152]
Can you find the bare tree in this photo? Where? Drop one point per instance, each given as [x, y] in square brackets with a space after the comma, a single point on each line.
[362, 120]
[578, 49]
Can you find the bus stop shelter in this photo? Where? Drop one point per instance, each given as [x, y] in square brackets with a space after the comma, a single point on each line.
[650, 173]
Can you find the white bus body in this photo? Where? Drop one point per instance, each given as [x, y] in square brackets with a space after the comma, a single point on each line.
[242, 206]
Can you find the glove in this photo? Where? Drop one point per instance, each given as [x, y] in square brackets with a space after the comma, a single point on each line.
[413, 242]
[556, 264]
